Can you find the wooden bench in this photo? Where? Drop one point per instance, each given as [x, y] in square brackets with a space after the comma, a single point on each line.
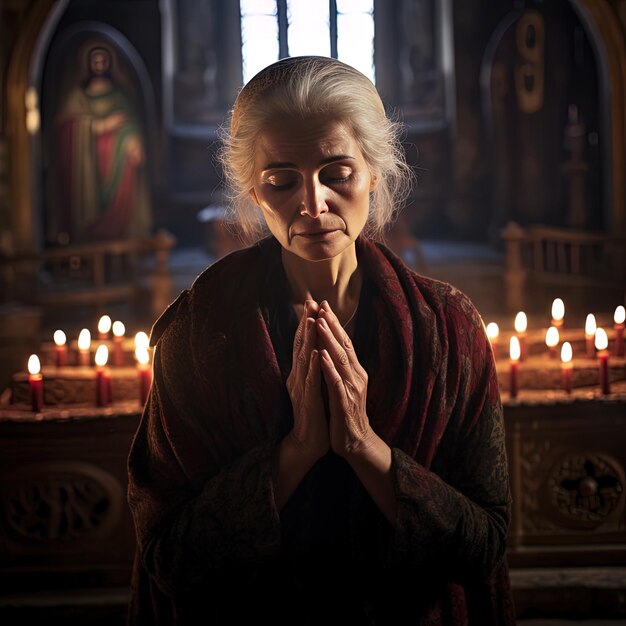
[93, 274]
[560, 257]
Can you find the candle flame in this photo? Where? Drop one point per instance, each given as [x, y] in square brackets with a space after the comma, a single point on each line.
[84, 339]
[590, 325]
[552, 337]
[102, 355]
[34, 366]
[119, 329]
[558, 309]
[141, 340]
[492, 330]
[602, 341]
[521, 322]
[104, 325]
[142, 356]
[566, 352]
[515, 349]
[620, 314]
[59, 338]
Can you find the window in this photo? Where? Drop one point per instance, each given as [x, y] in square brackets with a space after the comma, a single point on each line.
[274, 29]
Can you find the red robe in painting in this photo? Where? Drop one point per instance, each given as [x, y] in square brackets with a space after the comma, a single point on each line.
[101, 163]
[211, 542]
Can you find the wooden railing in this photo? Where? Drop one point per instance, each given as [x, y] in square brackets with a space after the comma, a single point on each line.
[92, 273]
[560, 256]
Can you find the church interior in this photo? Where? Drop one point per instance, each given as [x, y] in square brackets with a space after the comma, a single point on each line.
[515, 123]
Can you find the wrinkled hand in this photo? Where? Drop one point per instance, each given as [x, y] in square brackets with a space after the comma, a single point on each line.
[304, 385]
[349, 428]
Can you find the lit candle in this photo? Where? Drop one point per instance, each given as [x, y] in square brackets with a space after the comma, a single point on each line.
[104, 327]
[590, 333]
[602, 343]
[619, 317]
[118, 337]
[515, 353]
[35, 382]
[493, 332]
[103, 377]
[521, 324]
[60, 348]
[142, 340]
[558, 312]
[552, 340]
[145, 375]
[84, 345]
[567, 366]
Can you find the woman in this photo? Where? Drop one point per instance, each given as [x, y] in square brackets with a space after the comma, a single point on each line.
[323, 442]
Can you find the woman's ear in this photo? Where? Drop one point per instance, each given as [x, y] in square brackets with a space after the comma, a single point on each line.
[373, 183]
[253, 196]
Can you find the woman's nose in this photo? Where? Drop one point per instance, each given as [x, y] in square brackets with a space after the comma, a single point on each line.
[313, 203]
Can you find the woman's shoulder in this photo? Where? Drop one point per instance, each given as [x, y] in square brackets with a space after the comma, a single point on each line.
[215, 288]
[451, 306]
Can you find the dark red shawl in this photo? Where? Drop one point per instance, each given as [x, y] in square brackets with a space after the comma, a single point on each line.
[201, 463]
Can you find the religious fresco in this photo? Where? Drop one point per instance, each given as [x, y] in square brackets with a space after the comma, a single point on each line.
[97, 185]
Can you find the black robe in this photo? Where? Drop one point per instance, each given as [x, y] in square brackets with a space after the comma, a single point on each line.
[210, 539]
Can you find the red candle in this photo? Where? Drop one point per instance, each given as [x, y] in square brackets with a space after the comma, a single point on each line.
[521, 324]
[619, 317]
[567, 366]
[602, 343]
[552, 340]
[103, 377]
[35, 382]
[558, 313]
[515, 352]
[60, 348]
[104, 326]
[493, 332]
[84, 345]
[145, 375]
[118, 338]
[590, 333]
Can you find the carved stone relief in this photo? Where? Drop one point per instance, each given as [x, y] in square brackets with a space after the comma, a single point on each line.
[59, 502]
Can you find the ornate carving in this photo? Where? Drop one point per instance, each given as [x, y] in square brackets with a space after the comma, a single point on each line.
[586, 488]
[61, 501]
[529, 70]
[533, 455]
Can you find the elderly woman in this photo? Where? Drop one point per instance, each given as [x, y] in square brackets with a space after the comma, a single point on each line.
[323, 442]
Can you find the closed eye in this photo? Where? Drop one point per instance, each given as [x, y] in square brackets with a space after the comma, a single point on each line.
[280, 181]
[337, 173]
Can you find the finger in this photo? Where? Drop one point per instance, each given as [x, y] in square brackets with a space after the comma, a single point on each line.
[312, 307]
[342, 337]
[309, 340]
[314, 374]
[298, 339]
[337, 352]
[334, 382]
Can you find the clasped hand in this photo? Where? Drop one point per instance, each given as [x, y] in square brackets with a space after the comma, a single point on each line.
[323, 352]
